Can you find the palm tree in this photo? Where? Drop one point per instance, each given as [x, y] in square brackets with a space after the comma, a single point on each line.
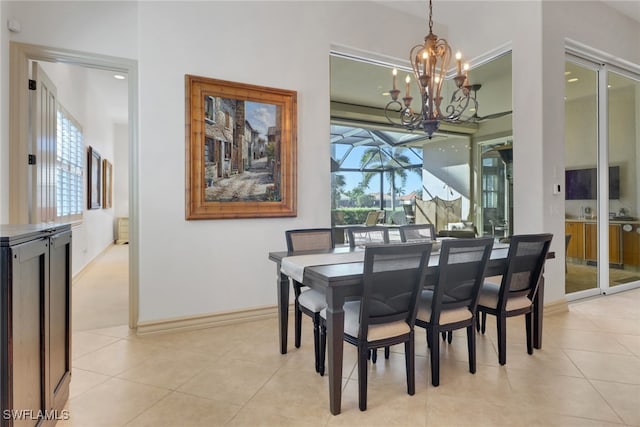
[388, 161]
[337, 188]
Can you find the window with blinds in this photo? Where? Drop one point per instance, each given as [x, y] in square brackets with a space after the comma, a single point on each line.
[69, 167]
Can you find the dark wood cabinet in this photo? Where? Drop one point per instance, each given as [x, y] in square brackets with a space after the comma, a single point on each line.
[35, 323]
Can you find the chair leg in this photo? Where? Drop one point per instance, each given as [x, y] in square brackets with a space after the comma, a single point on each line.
[444, 335]
[478, 321]
[449, 336]
[374, 355]
[387, 352]
[484, 321]
[471, 344]
[501, 322]
[362, 377]
[323, 346]
[528, 318]
[435, 361]
[298, 324]
[316, 339]
[410, 361]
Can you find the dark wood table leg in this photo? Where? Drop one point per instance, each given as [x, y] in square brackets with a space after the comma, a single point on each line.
[283, 309]
[335, 334]
[538, 312]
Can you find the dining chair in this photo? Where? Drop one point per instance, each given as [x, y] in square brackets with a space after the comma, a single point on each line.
[372, 219]
[417, 232]
[360, 236]
[309, 301]
[393, 278]
[451, 304]
[517, 289]
[367, 235]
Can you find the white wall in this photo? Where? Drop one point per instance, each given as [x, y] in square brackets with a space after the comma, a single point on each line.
[196, 267]
[222, 265]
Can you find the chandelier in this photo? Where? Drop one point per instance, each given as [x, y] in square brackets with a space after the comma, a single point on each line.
[430, 62]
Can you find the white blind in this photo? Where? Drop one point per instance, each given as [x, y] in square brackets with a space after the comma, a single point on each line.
[69, 167]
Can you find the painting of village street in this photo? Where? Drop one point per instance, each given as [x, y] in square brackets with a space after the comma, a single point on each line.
[241, 150]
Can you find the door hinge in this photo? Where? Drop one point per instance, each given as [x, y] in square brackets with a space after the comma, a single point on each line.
[32, 84]
[32, 159]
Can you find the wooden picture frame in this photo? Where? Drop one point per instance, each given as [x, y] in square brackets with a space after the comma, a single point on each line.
[94, 179]
[107, 184]
[240, 150]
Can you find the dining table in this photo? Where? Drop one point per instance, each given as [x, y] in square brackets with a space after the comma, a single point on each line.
[338, 273]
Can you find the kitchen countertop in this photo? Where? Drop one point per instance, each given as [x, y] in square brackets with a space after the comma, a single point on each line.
[611, 221]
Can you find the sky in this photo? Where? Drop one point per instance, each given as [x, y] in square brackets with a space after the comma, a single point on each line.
[260, 116]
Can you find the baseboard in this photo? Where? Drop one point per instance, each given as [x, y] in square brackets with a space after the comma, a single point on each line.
[190, 323]
[559, 306]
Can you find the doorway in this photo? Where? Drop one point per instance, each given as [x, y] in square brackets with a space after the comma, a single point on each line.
[22, 55]
[602, 198]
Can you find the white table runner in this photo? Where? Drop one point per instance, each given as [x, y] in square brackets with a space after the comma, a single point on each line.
[293, 266]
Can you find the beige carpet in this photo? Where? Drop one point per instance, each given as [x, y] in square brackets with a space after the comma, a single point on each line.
[582, 277]
[100, 293]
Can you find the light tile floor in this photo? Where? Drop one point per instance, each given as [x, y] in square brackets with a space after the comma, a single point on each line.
[586, 374]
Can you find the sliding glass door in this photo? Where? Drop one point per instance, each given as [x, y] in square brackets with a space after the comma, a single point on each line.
[581, 191]
[602, 134]
[623, 131]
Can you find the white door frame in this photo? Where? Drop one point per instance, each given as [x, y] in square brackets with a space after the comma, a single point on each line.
[601, 63]
[20, 55]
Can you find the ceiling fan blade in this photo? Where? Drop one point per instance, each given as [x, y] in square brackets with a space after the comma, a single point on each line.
[493, 116]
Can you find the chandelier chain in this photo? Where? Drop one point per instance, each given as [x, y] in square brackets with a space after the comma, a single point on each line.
[430, 17]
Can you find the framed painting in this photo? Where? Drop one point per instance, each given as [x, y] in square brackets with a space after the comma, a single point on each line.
[107, 184]
[94, 176]
[240, 150]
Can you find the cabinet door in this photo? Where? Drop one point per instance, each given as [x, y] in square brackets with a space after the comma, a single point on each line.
[631, 244]
[28, 290]
[615, 244]
[59, 338]
[576, 243]
[591, 243]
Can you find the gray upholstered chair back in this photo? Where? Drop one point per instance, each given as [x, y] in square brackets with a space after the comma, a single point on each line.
[461, 272]
[393, 279]
[309, 239]
[417, 232]
[527, 255]
[359, 236]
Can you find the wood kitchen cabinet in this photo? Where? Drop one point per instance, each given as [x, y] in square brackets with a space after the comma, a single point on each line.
[631, 244]
[35, 323]
[591, 243]
[576, 244]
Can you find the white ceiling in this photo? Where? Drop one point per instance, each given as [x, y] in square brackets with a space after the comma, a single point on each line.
[631, 8]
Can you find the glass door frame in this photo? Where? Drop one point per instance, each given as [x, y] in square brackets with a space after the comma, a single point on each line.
[602, 67]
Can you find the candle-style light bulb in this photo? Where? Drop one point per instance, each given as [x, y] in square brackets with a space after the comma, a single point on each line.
[458, 63]
[408, 81]
[425, 58]
[466, 74]
[395, 76]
